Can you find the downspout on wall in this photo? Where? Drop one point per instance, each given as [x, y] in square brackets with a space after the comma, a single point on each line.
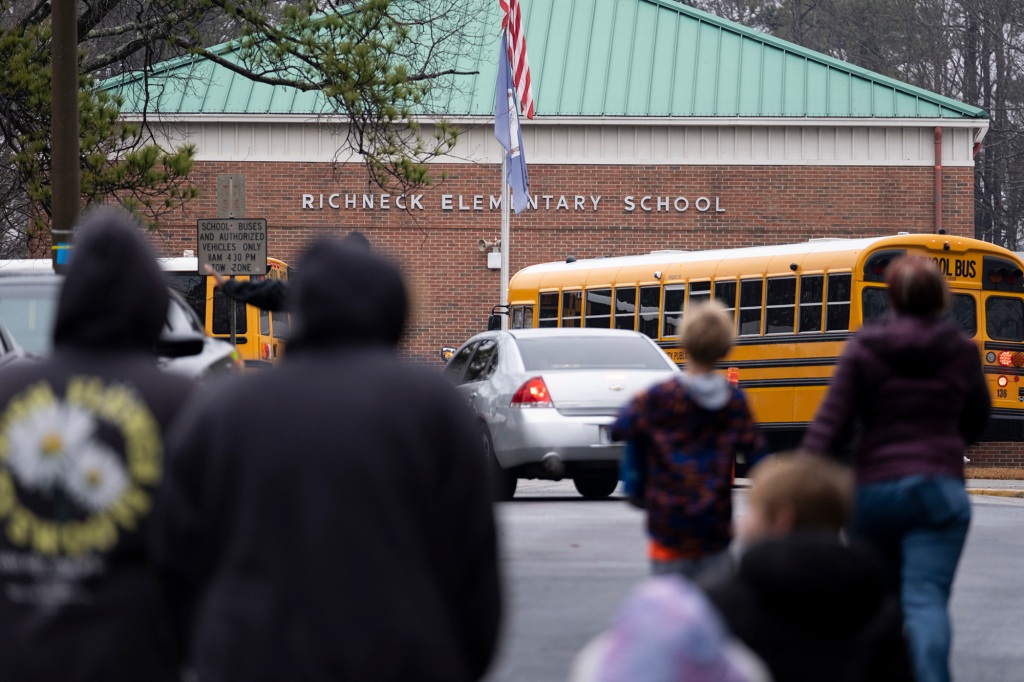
[938, 179]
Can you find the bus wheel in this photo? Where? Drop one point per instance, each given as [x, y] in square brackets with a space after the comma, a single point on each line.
[504, 482]
[596, 486]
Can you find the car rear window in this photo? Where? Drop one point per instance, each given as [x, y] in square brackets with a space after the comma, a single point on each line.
[596, 352]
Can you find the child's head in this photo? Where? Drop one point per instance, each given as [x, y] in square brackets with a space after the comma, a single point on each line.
[797, 491]
[706, 334]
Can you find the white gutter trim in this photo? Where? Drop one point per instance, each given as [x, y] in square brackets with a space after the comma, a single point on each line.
[555, 121]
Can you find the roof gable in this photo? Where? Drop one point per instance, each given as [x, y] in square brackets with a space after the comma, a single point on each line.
[608, 58]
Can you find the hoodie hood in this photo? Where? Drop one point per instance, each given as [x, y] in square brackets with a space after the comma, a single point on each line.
[911, 345]
[114, 296]
[345, 294]
[710, 391]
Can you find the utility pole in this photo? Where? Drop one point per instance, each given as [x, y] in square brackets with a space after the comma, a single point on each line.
[65, 170]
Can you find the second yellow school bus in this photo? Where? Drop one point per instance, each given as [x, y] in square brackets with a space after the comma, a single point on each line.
[794, 306]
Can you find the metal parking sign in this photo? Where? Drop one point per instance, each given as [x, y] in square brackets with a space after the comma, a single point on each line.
[233, 246]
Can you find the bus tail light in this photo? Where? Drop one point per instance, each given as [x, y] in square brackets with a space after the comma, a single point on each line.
[265, 350]
[534, 393]
[1002, 381]
[1005, 275]
[1005, 358]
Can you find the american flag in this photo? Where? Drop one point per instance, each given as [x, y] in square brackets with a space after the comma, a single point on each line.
[512, 21]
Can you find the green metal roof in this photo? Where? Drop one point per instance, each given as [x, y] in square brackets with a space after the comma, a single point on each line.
[611, 58]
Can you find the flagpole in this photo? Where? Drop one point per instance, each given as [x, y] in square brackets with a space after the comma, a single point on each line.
[505, 200]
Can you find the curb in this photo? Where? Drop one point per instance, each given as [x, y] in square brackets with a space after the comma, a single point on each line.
[995, 493]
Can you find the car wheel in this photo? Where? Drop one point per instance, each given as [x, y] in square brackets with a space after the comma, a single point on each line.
[596, 486]
[504, 482]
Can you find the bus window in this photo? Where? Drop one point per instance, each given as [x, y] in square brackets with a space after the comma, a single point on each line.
[548, 309]
[837, 308]
[874, 303]
[281, 324]
[572, 305]
[780, 306]
[650, 301]
[1004, 318]
[964, 313]
[674, 297]
[522, 316]
[750, 307]
[625, 308]
[599, 308]
[700, 292]
[222, 314]
[725, 293]
[812, 288]
[264, 322]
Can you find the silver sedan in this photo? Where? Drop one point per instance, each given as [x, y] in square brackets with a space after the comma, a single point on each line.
[546, 397]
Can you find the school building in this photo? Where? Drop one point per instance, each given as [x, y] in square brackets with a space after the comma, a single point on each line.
[658, 127]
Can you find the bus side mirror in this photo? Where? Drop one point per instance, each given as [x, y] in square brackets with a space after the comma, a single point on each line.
[493, 323]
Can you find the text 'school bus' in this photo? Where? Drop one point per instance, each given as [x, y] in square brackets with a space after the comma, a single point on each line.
[259, 335]
[794, 306]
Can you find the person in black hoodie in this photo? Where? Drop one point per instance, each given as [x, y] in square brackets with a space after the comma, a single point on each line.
[81, 454]
[812, 606]
[332, 518]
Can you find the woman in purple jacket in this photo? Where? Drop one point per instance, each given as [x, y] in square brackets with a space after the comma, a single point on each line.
[912, 385]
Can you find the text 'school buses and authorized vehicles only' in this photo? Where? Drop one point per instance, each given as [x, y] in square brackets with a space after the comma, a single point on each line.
[259, 335]
[794, 306]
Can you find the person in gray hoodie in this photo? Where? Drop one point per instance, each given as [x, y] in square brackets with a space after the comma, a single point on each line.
[683, 435]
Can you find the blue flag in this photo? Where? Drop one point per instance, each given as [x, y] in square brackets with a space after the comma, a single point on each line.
[506, 129]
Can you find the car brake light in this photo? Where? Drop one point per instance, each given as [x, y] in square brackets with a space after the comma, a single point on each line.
[534, 393]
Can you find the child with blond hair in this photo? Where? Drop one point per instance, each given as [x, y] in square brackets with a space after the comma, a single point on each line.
[683, 436]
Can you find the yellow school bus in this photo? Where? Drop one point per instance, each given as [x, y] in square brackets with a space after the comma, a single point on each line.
[259, 335]
[794, 305]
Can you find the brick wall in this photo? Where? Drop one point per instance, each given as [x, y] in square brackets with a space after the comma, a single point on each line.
[1006, 454]
[452, 288]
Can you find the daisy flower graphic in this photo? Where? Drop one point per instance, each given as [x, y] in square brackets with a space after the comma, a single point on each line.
[41, 444]
[96, 477]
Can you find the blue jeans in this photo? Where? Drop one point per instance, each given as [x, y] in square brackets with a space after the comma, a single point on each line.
[919, 525]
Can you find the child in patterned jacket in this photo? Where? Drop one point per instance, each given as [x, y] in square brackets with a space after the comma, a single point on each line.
[683, 436]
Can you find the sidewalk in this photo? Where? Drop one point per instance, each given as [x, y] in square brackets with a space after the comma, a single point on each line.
[995, 487]
[975, 486]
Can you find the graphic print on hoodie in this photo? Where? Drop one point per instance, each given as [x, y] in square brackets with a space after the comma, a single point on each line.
[81, 455]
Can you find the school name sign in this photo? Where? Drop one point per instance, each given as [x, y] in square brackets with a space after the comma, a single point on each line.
[490, 202]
